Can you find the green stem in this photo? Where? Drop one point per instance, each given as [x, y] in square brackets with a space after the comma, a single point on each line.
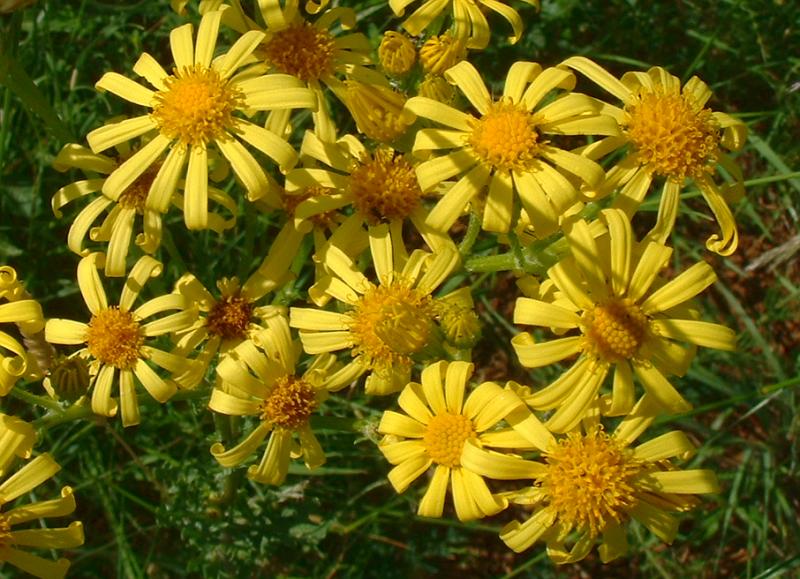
[471, 235]
[62, 416]
[36, 400]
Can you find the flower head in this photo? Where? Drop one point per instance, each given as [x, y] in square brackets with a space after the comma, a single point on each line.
[440, 53]
[117, 339]
[437, 426]
[380, 185]
[235, 315]
[263, 382]
[506, 147]
[317, 52]
[199, 105]
[608, 292]
[397, 53]
[590, 484]
[17, 438]
[670, 134]
[387, 325]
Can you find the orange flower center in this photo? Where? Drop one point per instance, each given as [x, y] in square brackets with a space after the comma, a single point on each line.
[230, 317]
[385, 187]
[390, 323]
[114, 337]
[672, 136]
[589, 481]
[445, 436]
[290, 403]
[197, 106]
[615, 330]
[506, 137]
[301, 50]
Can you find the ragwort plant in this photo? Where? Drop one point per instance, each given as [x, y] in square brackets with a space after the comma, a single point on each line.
[354, 189]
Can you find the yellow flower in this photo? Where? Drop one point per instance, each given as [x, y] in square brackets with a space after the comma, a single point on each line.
[16, 439]
[264, 383]
[194, 108]
[505, 146]
[27, 315]
[235, 315]
[626, 318]
[312, 52]
[381, 186]
[117, 228]
[589, 485]
[116, 338]
[388, 325]
[470, 22]
[670, 134]
[437, 425]
[442, 52]
[397, 53]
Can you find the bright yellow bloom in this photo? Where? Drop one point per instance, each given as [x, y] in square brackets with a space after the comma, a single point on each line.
[397, 53]
[381, 186]
[26, 313]
[194, 108]
[313, 52]
[122, 215]
[442, 52]
[505, 147]
[16, 439]
[235, 315]
[670, 134]
[608, 291]
[263, 382]
[590, 484]
[116, 338]
[469, 20]
[437, 425]
[387, 325]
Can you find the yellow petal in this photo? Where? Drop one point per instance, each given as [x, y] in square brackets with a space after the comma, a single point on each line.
[533, 355]
[432, 503]
[519, 537]
[538, 313]
[412, 401]
[668, 445]
[696, 332]
[468, 79]
[180, 41]
[28, 477]
[400, 425]
[498, 466]
[681, 289]
[242, 451]
[660, 389]
[407, 472]
[575, 406]
[125, 88]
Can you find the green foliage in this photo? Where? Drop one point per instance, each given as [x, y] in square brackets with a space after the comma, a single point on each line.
[155, 503]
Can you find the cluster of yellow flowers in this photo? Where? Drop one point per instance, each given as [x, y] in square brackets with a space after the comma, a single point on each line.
[398, 149]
